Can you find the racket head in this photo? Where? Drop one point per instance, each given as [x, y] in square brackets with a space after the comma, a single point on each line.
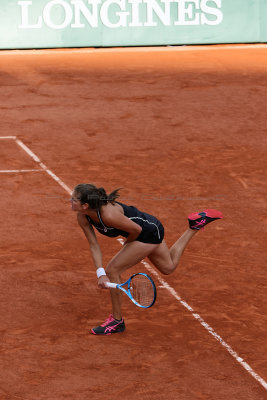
[142, 290]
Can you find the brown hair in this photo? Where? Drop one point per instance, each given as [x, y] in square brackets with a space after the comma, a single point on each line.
[95, 197]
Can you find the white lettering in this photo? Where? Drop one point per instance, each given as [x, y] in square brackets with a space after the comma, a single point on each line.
[186, 16]
[91, 16]
[213, 11]
[163, 15]
[25, 16]
[60, 14]
[47, 14]
[104, 14]
[135, 12]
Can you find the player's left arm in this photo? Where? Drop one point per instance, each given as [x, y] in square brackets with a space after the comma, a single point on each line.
[116, 219]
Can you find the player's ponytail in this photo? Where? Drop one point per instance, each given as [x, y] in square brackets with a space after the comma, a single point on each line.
[95, 197]
[113, 196]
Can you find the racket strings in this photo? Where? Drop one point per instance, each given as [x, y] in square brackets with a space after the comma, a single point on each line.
[142, 290]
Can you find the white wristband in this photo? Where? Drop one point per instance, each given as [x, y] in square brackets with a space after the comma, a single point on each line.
[100, 272]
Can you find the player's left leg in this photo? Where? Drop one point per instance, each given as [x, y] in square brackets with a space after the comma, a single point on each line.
[130, 254]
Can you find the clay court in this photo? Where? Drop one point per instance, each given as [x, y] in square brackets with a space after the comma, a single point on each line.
[181, 129]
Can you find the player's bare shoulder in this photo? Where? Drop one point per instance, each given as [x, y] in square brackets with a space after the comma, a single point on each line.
[111, 212]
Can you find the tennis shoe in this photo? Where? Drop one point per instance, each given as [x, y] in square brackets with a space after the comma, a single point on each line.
[199, 220]
[111, 325]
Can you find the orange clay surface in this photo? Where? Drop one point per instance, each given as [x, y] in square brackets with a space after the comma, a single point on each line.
[181, 130]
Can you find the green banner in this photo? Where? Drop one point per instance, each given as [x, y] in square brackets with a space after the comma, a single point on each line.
[263, 21]
[95, 23]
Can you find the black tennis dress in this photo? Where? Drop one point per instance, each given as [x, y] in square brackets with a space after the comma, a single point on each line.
[152, 228]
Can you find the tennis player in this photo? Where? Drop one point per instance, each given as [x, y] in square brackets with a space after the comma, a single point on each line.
[144, 237]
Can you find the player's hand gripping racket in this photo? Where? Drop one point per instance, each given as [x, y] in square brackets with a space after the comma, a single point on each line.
[140, 288]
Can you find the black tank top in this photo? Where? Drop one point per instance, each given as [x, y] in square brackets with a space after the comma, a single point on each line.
[151, 226]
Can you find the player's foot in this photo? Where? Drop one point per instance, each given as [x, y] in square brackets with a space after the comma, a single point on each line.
[199, 220]
[111, 325]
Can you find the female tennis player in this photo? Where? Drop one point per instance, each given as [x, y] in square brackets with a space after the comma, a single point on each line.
[144, 237]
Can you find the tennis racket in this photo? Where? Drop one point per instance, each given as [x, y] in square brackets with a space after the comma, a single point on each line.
[140, 288]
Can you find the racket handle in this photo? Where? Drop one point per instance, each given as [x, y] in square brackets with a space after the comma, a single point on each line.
[111, 285]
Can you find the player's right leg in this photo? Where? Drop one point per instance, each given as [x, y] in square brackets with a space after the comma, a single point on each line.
[165, 260]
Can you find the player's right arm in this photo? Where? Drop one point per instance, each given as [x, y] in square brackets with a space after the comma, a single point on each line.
[93, 244]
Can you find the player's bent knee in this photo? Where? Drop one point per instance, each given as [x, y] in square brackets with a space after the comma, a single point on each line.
[168, 269]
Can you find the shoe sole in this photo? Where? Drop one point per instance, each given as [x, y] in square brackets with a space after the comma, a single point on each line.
[105, 334]
[209, 213]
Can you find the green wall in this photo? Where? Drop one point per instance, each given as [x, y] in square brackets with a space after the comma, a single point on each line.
[89, 23]
[263, 20]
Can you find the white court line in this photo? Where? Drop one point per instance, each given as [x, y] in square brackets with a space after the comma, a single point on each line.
[43, 166]
[7, 171]
[163, 283]
[168, 48]
[206, 326]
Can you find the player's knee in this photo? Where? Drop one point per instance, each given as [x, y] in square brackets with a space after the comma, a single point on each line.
[168, 269]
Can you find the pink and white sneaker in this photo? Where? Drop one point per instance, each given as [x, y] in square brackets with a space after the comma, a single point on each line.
[111, 325]
[199, 220]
